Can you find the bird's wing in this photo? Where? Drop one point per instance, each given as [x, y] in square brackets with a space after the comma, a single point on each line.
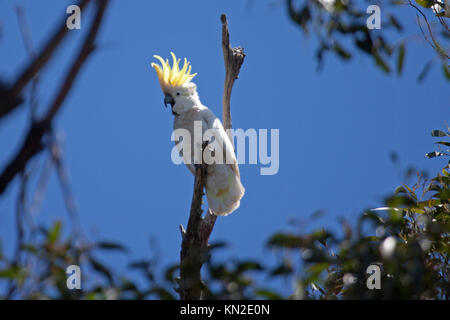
[222, 139]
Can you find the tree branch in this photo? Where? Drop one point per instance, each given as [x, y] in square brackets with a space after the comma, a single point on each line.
[11, 97]
[233, 59]
[434, 44]
[194, 247]
[33, 143]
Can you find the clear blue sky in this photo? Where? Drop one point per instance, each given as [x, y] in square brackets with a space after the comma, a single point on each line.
[337, 127]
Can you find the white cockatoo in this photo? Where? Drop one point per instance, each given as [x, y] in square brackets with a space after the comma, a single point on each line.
[223, 184]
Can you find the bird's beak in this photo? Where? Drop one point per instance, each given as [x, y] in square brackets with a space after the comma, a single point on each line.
[168, 99]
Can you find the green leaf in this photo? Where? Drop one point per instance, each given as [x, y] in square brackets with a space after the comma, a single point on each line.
[217, 245]
[107, 245]
[444, 143]
[318, 268]
[428, 203]
[162, 293]
[300, 17]
[321, 235]
[10, 273]
[100, 268]
[143, 264]
[373, 217]
[169, 274]
[438, 133]
[444, 194]
[248, 265]
[434, 154]
[446, 70]
[393, 20]
[54, 233]
[380, 61]
[268, 294]
[425, 3]
[281, 270]
[370, 239]
[341, 52]
[400, 58]
[30, 248]
[398, 201]
[424, 72]
[285, 241]
[400, 189]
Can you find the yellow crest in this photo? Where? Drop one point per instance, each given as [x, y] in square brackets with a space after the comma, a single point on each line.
[172, 76]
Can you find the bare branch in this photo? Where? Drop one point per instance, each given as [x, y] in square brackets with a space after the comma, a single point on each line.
[233, 59]
[193, 250]
[194, 247]
[33, 143]
[10, 98]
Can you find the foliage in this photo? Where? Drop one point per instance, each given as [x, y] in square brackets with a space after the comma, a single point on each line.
[340, 27]
[408, 238]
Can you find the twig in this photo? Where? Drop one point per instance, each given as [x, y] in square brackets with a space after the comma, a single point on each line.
[38, 195]
[194, 247]
[434, 44]
[64, 180]
[20, 229]
[29, 48]
[33, 143]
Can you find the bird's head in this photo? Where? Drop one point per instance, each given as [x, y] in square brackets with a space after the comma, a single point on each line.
[176, 84]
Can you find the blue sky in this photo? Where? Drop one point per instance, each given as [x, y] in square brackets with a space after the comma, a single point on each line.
[337, 127]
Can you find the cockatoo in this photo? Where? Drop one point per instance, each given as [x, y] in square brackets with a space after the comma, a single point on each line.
[223, 185]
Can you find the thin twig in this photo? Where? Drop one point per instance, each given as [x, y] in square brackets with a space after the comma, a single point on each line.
[29, 48]
[20, 230]
[434, 44]
[39, 192]
[66, 188]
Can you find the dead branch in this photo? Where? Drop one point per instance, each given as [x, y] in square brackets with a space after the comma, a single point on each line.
[33, 142]
[233, 59]
[194, 247]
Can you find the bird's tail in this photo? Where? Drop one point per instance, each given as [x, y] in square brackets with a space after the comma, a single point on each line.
[224, 201]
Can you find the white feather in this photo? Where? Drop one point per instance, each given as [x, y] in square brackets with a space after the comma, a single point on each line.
[224, 189]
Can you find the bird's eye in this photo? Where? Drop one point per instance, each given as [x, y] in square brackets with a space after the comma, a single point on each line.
[178, 93]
